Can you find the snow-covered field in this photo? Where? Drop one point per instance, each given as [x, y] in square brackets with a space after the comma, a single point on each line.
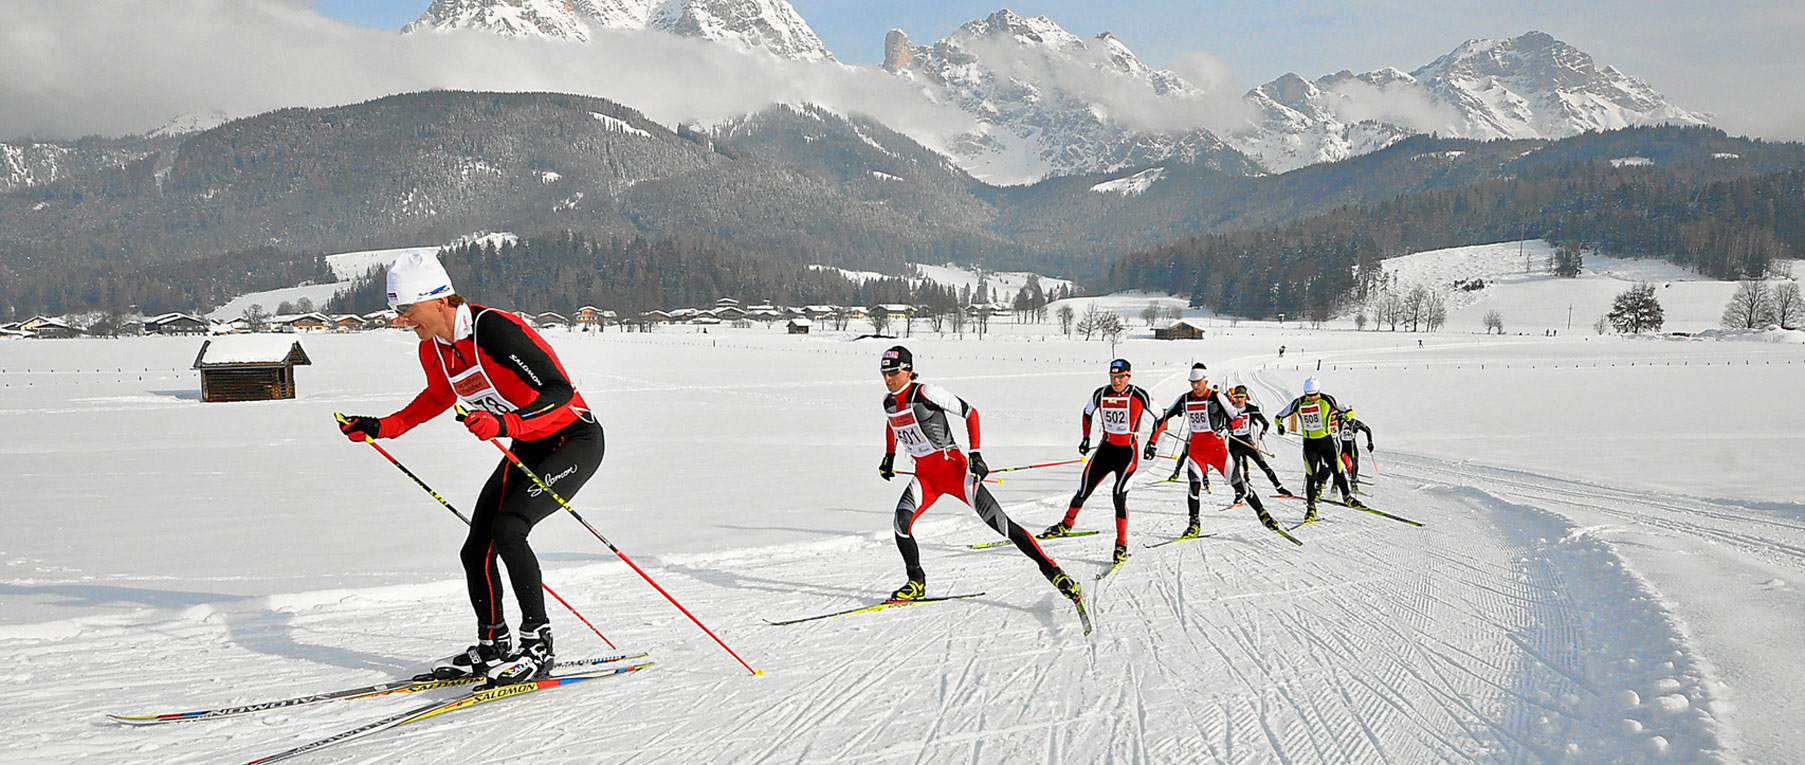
[1532, 300]
[1609, 570]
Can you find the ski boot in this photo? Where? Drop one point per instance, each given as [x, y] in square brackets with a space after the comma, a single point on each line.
[1353, 503]
[1309, 513]
[1067, 586]
[1283, 492]
[915, 589]
[1054, 531]
[534, 660]
[1121, 555]
[475, 661]
[1192, 530]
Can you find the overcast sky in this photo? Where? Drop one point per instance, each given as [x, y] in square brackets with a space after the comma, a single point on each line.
[69, 67]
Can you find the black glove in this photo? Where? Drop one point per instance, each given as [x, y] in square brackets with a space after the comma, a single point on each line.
[1370, 447]
[1151, 451]
[1084, 447]
[978, 468]
[887, 468]
[359, 428]
[1281, 428]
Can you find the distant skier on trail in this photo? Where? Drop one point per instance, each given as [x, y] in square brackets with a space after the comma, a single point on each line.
[500, 369]
[1244, 438]
[1350, 449]
[1209, 414]
[1123, 408]
[916, 417]
[1314, 415]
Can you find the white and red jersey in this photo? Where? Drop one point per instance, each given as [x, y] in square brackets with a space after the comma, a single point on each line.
[1211, 414]
[498, 363]
[915, 417]
[1122, 414]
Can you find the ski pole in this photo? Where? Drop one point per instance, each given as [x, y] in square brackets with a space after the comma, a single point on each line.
[623, 556]
[985, 480]
[1251, 445]
[1041, 465]
[454, 511]
[1371, 458]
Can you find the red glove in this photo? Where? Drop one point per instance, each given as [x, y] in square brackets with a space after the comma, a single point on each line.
[485, 426]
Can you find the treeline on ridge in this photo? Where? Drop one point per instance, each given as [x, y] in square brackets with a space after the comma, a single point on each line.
[1726, 229]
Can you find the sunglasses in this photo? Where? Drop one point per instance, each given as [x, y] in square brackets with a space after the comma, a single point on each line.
[892, 372]
[1113, 375]
[405, 309]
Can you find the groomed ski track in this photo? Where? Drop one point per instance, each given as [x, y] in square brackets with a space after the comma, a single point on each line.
[1521, 624]
[1498, 633]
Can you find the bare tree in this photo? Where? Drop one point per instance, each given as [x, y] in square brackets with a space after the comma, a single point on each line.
[304, 304]
[1750, 307]
[254, 317]
[1150, 314]
[1435, 311]
[1415, 306]
[1494, 320]
[1066, 317]
[1788, 310]
[1092, 321]
[880, 321]
[1112, 328]
[1603, 323]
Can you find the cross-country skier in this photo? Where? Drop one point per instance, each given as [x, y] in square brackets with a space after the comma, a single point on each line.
[1244, 437]
[1124, 409]
[499, 368]
[916, 418]
[1313, 416]
[1350, 449]
[1208, 416]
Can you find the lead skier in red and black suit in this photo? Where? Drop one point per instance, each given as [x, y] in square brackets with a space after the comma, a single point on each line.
[1124, 408]
[916, 419]
[506, 375]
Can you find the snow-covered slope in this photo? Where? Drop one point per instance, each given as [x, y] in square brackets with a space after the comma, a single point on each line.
[1520, 286]
[771, 25]
[1582, 591]
[1532, 86]
[1048, 102]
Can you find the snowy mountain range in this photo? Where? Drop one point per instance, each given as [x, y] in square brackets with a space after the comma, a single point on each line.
[1532, 86]
[772, 25]
[1048, 102]
[1051, 103]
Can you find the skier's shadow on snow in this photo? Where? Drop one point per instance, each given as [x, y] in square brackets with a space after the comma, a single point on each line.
[91, 596]
[272, 633]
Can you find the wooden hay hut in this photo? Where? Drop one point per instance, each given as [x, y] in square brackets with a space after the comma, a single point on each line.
[249, 368]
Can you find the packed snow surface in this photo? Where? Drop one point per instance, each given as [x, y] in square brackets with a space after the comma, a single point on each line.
[1591, 584]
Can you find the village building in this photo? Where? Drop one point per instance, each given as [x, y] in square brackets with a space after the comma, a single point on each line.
[175, 324]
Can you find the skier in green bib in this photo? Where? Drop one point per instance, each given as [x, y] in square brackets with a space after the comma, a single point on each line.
[1314, 416]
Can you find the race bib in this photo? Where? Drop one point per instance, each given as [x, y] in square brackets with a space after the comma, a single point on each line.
[1115, 416]
[909, 433]
[1198, 414]
[1241, 426]
[1311, 419]
[475, 391]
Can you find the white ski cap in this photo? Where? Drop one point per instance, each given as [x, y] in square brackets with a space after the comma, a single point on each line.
[1199, 372]
[417, 276]
[1310, 386]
